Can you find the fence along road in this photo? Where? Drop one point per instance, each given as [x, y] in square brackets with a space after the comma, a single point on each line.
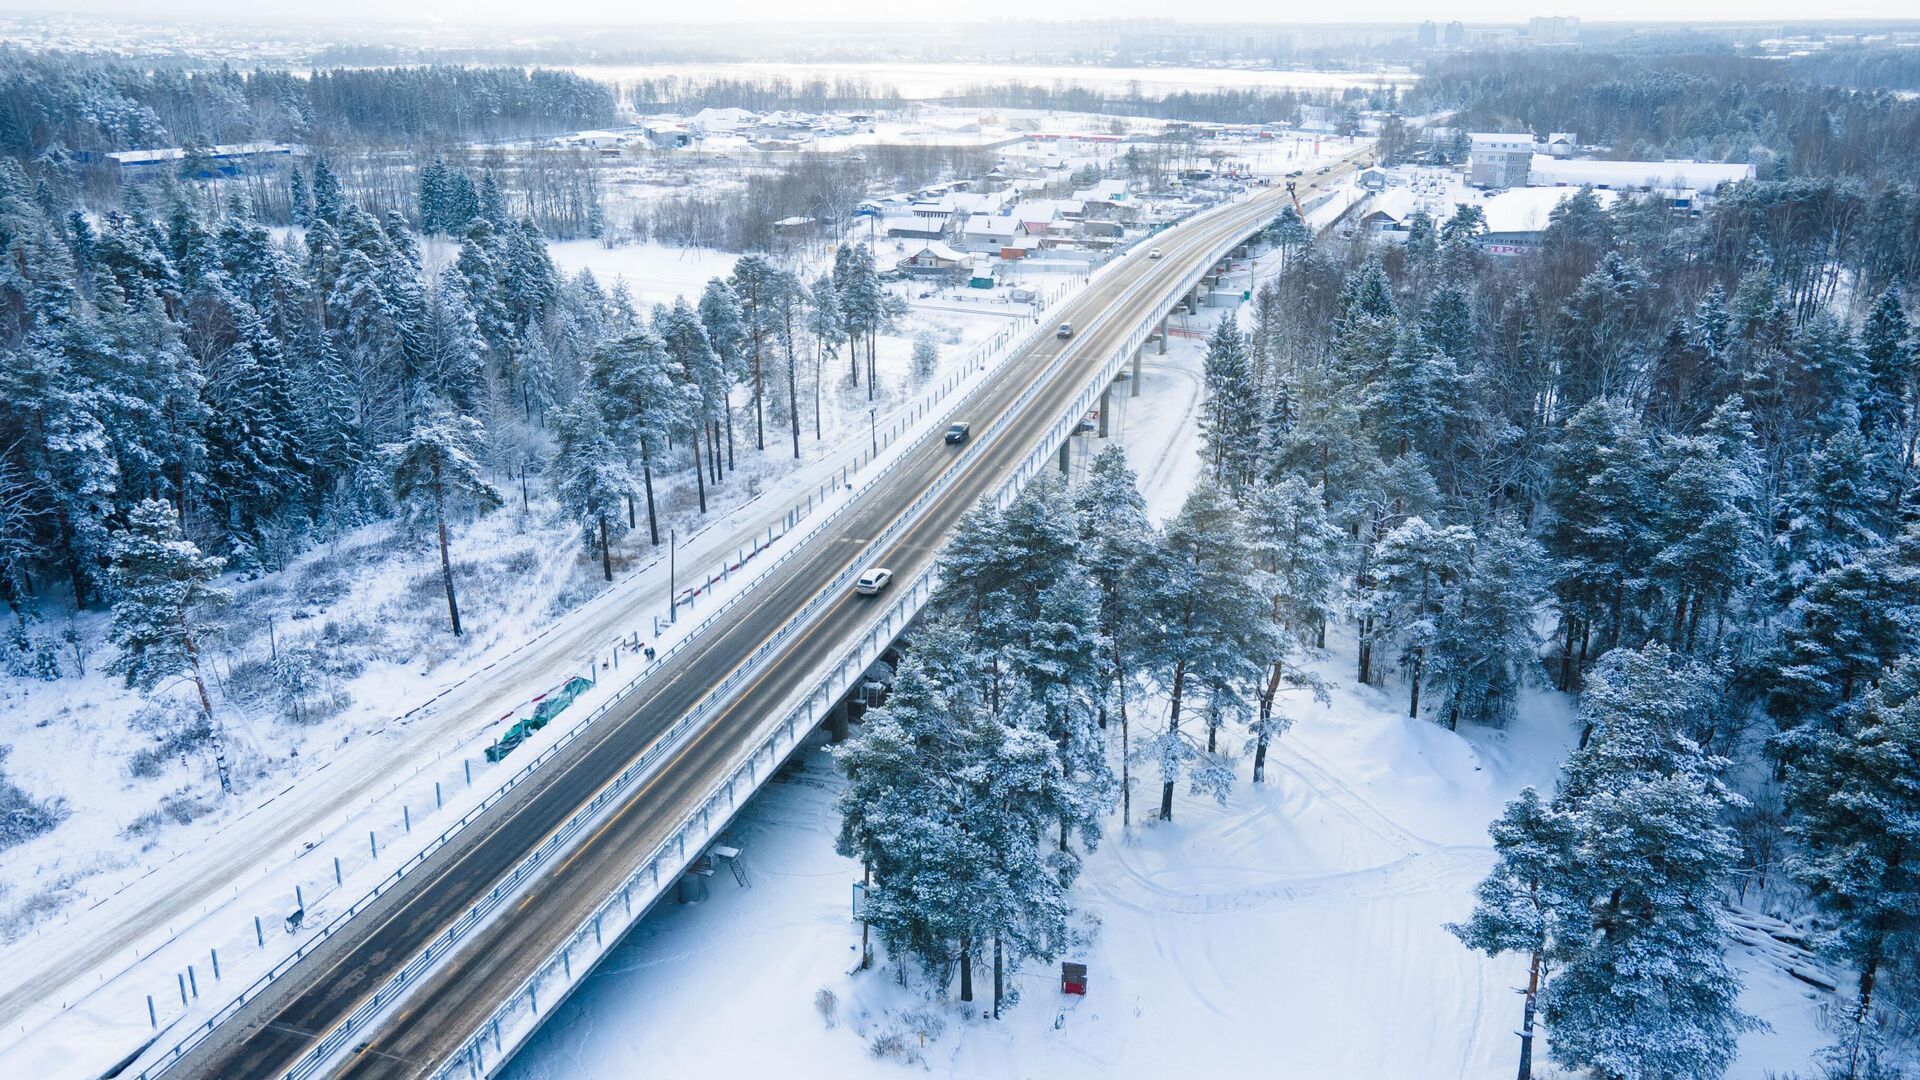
[276, 1032]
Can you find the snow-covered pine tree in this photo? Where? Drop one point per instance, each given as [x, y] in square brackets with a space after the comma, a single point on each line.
[1013, 580]
[1210, 634]
[862, 304]
[1835, 510]
[1484, 641]
[1600, 324]
[450, 365]
[1639, 985]
[948, 807]
[826, 324]
[790, 317]
[926, 356]
[1600, 483]
[755, 283]
[1418, 572]
[1706, 546]
[1116, 539]
[434, 472]
[300, 206]
[590, 478]
[1848, 625]
[479, 270]
[632, 380]
[163, 591]
[327, 200]
[701, 375]
[432, 196]
[1299, 548]
[1413, 404]
[1515, 904]
[1853, 801]
[727, 331]
[1892, 367]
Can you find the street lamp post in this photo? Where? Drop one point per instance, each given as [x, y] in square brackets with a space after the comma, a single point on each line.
[673, 592]
[873, 424]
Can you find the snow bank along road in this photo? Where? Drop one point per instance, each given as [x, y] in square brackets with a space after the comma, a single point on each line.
[282, 1025]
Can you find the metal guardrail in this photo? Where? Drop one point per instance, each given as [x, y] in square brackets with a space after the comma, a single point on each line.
[471, 1058]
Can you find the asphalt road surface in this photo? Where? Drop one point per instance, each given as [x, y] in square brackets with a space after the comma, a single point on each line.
[450, 1003]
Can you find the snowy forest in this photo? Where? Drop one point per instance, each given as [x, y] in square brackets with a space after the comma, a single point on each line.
[184, 395]
[1666, 465]
[1665, 469]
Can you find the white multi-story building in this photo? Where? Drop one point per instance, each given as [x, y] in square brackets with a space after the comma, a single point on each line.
[1499, 159]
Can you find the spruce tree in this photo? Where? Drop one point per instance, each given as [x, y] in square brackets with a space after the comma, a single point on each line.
[1230, 415]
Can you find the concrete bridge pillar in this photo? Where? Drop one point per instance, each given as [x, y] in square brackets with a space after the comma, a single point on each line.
[1134, 390]
[1066, 453]
[1106, 403]
[837, 722]
[1163, 337]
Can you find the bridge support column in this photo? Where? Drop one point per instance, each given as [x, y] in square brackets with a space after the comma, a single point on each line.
[1066, 454]
[1134, 389]
[1163, 339]
[1106, 400]
[837, 722]
[854, 709]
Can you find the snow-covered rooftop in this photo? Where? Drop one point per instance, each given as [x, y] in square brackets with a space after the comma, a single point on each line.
[1526, 210]
[1642, 175]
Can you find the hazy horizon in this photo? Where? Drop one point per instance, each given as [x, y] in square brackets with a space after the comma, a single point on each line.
[871, 13]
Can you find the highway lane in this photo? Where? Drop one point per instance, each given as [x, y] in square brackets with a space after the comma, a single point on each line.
[462, 992]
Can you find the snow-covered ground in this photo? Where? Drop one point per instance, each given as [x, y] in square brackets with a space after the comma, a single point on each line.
[1293, 932]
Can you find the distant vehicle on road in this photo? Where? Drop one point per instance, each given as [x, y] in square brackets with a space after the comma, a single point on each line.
[1154, 254]
[957, 433]
[874, 580]
[1065, 331]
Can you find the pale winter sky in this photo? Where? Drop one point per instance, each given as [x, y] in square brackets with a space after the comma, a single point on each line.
[464, 12]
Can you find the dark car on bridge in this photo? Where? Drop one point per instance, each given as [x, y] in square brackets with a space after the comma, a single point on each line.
[957, 433]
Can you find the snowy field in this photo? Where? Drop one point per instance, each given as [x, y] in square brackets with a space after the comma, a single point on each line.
[1295, 930]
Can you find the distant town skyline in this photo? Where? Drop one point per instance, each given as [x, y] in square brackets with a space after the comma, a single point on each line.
[606, 12]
